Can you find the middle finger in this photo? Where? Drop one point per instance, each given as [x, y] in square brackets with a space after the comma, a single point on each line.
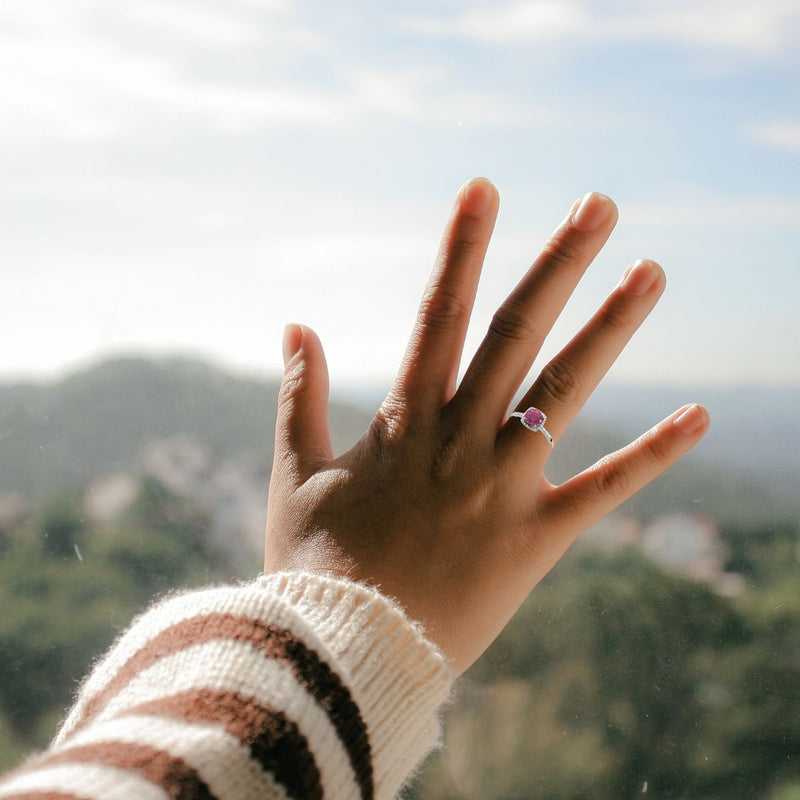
[521, 324]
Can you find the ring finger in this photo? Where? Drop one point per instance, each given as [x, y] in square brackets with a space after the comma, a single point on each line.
[568, 380]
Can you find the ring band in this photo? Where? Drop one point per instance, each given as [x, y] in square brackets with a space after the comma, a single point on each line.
[534, 420]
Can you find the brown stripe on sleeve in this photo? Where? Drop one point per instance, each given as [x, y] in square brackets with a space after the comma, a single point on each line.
[275, 741]
[177, 778]
[276, 643]
[43, 796]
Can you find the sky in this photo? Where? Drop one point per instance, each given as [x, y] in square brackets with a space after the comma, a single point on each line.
[187, 177]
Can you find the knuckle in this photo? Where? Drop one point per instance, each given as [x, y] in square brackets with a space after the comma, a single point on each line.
[561, 382]
[378, 434]
[620, 475]
[465, 238]
[613, 479]
[292, 386]
[443, 309]
[397, 425]
[390, 423]
[562, 250]
[510, 323]
[615, 317]
[655, 448]
[447, 458]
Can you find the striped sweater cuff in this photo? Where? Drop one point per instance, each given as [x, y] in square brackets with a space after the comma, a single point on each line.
[398, 678]
[294, 685]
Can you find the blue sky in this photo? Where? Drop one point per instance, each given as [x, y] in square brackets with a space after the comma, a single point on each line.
[189, 176]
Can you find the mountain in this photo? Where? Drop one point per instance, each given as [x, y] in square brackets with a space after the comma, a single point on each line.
[100, 420]
[754, 429]
[746, 468]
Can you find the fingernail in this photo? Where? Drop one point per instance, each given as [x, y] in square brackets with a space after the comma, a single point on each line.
[691, 419]
[292, 340]
[640, 277]
[477, 196]
[593, 211]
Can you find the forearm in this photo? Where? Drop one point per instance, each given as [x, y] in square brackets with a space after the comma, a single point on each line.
[319, 686]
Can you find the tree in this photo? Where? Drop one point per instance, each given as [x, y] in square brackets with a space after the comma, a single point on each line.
[62, 527]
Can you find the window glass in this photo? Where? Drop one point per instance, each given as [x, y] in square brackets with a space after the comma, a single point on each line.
[181, 179]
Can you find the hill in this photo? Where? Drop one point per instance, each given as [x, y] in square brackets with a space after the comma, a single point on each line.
[99, 420]
[755, 430]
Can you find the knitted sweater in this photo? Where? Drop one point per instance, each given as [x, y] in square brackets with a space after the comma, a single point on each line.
[293, 686]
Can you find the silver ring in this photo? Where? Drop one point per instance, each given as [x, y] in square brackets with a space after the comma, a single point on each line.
[534, 420]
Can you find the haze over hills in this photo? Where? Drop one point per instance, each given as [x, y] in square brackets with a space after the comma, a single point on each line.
[98, 421]
[752, 449]
[755, 430]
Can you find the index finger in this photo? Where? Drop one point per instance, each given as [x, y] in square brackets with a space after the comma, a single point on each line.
[430, 367]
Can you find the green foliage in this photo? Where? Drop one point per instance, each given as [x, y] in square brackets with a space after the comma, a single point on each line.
[62, 527]
[160, 541]
[612, 677]
[96, 421]
[790, 791]
[615, 677]
[66, 590]
[762, 553]
[57, 615]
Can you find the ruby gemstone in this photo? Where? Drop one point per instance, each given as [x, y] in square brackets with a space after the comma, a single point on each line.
[533, 418]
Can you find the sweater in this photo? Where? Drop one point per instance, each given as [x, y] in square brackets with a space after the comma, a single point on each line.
[292, 686]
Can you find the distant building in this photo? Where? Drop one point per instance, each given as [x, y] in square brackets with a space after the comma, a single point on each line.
[689, 545]
[231, 490]
[614, 532]
[239, 513]
[181, 463]
[12, 511]
[107, 496]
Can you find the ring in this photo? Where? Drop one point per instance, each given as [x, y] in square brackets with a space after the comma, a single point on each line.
[534, 420]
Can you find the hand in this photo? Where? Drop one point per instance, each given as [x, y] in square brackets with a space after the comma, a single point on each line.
[443, 503]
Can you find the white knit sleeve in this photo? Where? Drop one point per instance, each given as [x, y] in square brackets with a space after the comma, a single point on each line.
[293, 686]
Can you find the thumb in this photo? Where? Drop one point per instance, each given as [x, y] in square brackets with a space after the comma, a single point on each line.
[302, 435]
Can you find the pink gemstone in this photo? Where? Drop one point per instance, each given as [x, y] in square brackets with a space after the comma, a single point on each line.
[533, 418]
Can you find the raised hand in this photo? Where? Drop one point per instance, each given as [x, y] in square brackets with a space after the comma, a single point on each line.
[443, 503]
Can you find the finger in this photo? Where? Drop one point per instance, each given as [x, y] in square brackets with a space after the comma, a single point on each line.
[430, 366]
[302, 436]
[567, 381]
[521, 324]
[583, 500]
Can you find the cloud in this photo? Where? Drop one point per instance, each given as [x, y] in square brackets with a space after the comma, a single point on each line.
[763, 28]
[699, 209]
[93, 71]
[515, 22]
[96, 72]
[187, 23]
[777, 135]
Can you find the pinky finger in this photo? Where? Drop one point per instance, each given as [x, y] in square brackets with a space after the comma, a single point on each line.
[589, 496]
